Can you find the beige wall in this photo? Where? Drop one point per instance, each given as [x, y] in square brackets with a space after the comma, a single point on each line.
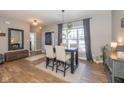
[13, 24]
[38, 31]
[100, 32]
[117, 31]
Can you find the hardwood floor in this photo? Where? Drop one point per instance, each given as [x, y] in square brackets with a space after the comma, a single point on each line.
[93, 73]
[25, 72]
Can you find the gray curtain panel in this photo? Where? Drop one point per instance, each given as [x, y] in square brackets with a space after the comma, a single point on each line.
[86, 24]
[59, 34]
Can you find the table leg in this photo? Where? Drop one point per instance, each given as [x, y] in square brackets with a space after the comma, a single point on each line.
[72, 62]
[113, 80]
[76, 58]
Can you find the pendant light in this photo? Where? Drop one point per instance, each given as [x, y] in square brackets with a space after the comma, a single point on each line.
[63, 16]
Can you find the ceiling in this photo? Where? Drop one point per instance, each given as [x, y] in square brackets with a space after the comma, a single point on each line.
[45, 17]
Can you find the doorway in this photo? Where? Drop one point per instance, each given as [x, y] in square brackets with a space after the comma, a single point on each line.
[32, 41]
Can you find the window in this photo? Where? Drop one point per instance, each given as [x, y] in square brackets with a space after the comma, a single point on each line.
[74, 38]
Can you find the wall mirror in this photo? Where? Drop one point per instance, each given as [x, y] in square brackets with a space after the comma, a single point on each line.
[15, 39]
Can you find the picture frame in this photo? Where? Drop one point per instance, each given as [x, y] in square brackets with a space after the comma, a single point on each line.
[122, 22]
[15, 39]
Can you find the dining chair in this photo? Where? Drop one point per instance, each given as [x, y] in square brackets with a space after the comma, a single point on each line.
[50, 56]
[62, 58]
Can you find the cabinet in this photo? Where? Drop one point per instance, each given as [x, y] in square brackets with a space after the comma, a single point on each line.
[14, 55]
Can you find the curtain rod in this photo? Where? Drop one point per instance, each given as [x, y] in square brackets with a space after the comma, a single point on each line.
[77, 20]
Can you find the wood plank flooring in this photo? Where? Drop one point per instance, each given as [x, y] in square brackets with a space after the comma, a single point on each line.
[22, 71]
[93, 73]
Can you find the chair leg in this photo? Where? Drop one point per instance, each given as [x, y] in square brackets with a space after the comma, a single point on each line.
[57, 66]
[47, 62]
[62, 64]
[53, 65]
[64, 69]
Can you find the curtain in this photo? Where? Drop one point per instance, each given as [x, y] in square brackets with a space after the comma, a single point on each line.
[86, 24]
[59, 34]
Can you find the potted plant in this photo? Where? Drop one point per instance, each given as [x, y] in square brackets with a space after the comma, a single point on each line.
[97, 60]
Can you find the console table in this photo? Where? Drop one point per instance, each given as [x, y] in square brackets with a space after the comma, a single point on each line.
[116, 67]
[1, 58]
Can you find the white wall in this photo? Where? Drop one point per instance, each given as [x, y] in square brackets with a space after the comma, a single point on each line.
[13, 24]
[117, 31]
[100, 32]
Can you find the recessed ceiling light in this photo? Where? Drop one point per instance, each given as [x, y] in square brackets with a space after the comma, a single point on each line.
[7, 22]
[40, 27]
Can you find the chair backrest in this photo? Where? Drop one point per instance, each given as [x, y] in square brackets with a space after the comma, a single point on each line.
[60, 53]
[49, 51]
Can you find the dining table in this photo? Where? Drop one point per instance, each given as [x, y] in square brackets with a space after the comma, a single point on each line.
[74, 58]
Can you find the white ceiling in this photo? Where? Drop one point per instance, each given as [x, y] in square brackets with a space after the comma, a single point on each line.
[49, 16]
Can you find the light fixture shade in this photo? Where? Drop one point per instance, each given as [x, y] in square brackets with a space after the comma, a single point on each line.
[35, 22]
[69, 25]
[113, 44]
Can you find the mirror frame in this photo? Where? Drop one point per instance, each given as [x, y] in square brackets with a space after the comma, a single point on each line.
[9, 38]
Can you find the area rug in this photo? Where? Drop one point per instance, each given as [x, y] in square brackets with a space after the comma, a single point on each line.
[36, 57]
[72, 78]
